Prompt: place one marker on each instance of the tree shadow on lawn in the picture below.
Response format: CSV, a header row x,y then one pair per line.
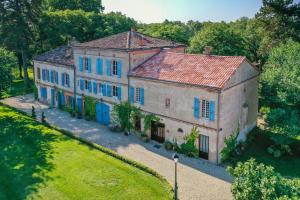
x,y
25,156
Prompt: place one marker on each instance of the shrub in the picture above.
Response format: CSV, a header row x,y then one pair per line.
x,y
254,181
279,150
188,147
89,108
168,145
230,144
33,114
43,118
35,92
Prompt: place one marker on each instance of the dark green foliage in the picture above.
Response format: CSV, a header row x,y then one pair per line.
x,y
220,37
258,149
168,145
90,108
230,144
147,121
85,5
18,19
189,147
43,118
121,115
8,61
57,27
33,114
254,181
280,80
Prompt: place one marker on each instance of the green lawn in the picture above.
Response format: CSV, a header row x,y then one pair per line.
x,y
287,166
40,163
18,87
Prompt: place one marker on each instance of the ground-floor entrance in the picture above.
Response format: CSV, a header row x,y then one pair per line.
x,y
158,131
203,146
102,113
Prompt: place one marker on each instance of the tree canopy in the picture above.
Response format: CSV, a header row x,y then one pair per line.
x,y
8,61
254,181
85,5
220,37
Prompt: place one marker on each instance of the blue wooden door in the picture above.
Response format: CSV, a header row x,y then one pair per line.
x,y
44,93
59,99
106,115
102,113
79,104
52,98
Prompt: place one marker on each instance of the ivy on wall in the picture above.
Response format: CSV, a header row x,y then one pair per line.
x,y
147,121
189,146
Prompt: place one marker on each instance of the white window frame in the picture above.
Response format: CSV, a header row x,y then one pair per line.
x,y
114,91
114,67
205,109
137,96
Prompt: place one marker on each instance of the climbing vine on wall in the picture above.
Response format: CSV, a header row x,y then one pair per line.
x,y
147,121
90,107
189,146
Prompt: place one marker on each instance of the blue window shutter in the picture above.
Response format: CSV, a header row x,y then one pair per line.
x,y
119,93
62,79
51,76
48,75
196,107
81,85
62,99
68,79
80,63
142,96
43,74
56,80
89,64
119,69
104,89
108,73
211,111
99,66
108,90
95,87
90,86
131,92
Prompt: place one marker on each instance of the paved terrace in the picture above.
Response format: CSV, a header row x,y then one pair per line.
x,y
197,179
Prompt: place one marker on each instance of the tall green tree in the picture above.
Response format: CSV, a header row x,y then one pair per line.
x,y
280,20
85,5
18,20
254,181
220,37
8,61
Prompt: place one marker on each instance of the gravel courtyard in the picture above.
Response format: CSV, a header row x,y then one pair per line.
x,y
197,179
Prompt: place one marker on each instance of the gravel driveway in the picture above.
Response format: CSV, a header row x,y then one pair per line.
x,y
197,179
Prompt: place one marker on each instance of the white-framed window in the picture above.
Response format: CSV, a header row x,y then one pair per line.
x,y
137,94
38,73
114,91
85,63
99,86
86,85
114,67
205,109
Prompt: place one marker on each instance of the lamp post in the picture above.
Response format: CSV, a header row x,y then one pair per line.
x,y
175,158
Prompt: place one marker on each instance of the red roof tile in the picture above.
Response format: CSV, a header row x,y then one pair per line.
x,y
204,70
128,41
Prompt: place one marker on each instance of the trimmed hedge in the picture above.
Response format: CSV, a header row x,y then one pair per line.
x,y
98,147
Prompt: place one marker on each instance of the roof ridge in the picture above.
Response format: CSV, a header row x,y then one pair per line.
x,y
195,54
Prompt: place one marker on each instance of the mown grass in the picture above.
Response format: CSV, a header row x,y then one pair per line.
x,y
18,86
287,165
37,162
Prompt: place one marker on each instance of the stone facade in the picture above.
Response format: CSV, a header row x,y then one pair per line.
x,y
234,105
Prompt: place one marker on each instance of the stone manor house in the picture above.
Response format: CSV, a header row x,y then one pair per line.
x,y
217,94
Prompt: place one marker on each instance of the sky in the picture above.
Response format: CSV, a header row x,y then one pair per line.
x,y
150,11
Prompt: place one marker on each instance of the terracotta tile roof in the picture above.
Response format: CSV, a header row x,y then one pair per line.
x,y
58,56
204,70
128,41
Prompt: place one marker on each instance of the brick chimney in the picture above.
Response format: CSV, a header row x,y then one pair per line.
x,y
141,40
207,50
133,29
